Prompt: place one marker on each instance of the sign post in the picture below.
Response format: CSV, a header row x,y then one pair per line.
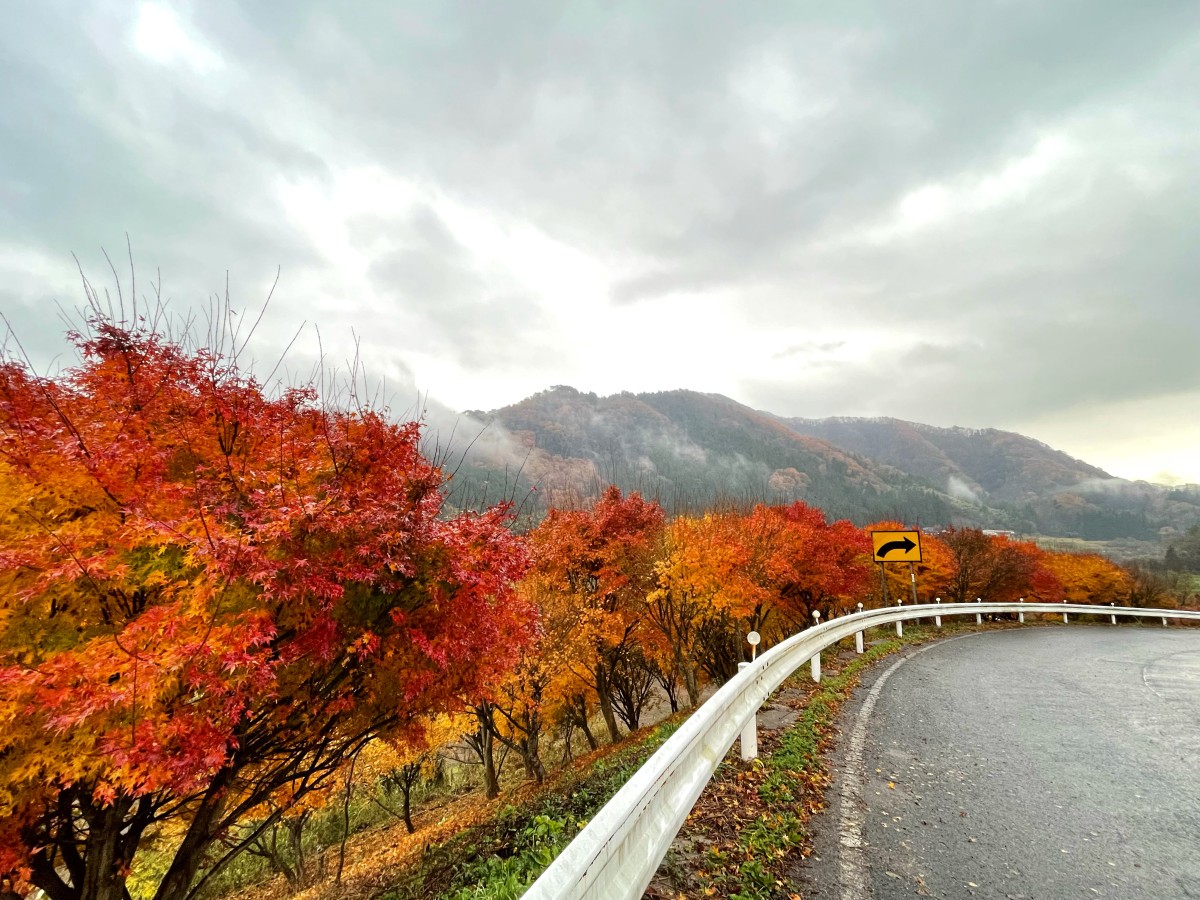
x,y
896,546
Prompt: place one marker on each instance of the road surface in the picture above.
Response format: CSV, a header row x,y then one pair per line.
x,y
1035,763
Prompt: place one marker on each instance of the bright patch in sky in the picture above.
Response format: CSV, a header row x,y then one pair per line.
x,y
1019,176
924,206
1161,447
159,35
1017,180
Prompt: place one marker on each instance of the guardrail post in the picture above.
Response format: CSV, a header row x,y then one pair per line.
x,y
937,620
1164,618
749,738
899,624
978,617
816,660
1065,622
1021,615
858,635
1113,616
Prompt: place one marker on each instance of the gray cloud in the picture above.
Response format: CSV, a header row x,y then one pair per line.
x,y
807,348
422,267
763,155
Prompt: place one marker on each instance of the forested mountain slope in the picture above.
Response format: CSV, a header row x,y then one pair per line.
x,y
693,450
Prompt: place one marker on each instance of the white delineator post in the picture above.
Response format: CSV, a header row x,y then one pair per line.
x,y
1113,616
1065,622
816,660
978,617
899,624
1164,621
858,635
749,737
937,620
1021,615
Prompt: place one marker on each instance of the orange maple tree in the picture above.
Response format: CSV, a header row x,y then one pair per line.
x,y
701,588
209,597
726,574
1089,578
814,564
600,561
540,688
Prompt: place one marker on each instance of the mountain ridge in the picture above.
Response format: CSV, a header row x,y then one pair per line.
x,y
693,450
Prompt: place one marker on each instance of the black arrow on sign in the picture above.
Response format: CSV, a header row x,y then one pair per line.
x,y
904,546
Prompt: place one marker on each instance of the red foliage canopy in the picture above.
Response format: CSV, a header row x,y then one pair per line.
x,y
210,595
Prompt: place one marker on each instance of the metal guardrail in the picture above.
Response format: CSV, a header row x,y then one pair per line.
x,y
617,853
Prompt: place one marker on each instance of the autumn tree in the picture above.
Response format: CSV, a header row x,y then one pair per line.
x,y
793,562
988,566
210,596
479,742
282,845
727,573
601,560
1090,578
1153,588
542,687
702,590
816,564
398,766
521,710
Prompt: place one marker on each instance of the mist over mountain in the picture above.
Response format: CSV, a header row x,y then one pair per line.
x,y
692,451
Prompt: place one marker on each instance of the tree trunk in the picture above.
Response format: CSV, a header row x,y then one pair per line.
x,y
190,852
295,833
406,807
579,710
491,784
104,877
568,735
604,693
487,750
346,819
691,684
530,753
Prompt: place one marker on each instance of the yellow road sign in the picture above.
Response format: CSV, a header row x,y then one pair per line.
x,y
897,546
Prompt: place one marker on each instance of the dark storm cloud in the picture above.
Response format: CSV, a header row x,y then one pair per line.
x,y
999,377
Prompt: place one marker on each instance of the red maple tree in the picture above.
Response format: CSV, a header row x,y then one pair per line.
x,y
209,597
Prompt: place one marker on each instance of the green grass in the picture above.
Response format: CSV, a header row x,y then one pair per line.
x,y
751,873
1190,582
500,859
1118,549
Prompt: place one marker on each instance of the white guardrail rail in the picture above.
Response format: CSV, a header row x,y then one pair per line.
x,y
619,850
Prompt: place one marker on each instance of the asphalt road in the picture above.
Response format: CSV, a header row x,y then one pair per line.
x,y
1033,763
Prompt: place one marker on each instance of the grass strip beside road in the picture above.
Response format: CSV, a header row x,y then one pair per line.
x,y
500,859
749,827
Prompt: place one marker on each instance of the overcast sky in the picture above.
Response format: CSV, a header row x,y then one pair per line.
x,y
979,214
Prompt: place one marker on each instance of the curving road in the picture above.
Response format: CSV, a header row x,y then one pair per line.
x,y
1034,763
